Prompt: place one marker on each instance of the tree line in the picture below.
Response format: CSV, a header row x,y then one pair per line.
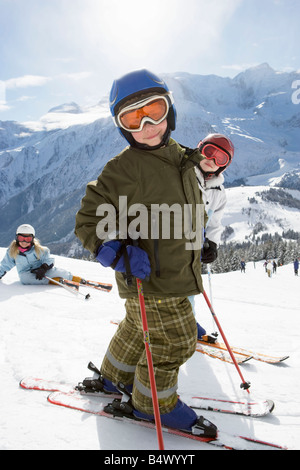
x,y
266,247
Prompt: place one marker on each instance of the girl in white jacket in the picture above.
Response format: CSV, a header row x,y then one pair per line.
x,y
218,151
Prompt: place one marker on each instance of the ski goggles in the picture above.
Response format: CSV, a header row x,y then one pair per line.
x,y
25,238
213,152
154,110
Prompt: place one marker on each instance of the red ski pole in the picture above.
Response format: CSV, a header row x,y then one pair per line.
x,y
245,385
150,366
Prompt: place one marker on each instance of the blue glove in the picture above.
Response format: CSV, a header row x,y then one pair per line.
x,y
138,259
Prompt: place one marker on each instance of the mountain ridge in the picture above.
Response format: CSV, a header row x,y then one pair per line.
x,y
46,165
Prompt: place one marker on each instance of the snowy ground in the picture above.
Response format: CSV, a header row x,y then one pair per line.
x,y
242,214
48,332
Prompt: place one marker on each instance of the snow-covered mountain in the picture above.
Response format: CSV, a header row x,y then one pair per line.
x,y
46,165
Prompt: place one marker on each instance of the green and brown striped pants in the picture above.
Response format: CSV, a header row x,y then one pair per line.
x,y
173,337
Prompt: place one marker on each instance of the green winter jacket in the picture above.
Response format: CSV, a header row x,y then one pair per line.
x,y
155,190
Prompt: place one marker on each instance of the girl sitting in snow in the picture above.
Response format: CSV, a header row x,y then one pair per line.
x,y
33,261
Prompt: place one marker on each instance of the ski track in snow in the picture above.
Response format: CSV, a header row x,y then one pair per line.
x,y
48,332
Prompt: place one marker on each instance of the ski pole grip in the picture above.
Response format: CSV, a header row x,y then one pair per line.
x,y
245,385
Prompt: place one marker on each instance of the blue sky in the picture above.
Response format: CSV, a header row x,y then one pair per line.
x,y
57,51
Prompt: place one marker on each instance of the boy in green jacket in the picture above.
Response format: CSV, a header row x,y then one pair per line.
x,y
144,218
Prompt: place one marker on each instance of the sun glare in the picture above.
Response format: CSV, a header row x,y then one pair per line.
x,y
160,35
131,28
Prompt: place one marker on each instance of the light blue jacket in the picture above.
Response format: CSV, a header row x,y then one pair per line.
x,y
24,262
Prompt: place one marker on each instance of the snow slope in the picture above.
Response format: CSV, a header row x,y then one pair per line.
x,y
48,332
246,208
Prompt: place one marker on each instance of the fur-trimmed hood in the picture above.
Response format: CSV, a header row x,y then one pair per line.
x,y
211,183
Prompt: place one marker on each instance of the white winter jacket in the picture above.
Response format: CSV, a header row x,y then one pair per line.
x,y
214,198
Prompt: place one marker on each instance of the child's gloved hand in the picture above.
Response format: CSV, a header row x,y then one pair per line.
x,y
41,271
109,255
209,252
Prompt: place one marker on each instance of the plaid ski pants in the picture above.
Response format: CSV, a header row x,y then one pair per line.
x,y
173,337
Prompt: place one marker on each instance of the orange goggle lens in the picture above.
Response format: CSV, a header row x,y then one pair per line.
x,y
154,111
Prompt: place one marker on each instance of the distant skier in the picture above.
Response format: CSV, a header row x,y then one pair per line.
x,y
32,260
274,266
269,268
243,266
296,267
218,151
265,265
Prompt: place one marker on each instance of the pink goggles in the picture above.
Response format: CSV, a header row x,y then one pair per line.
x,y
213,152
25,238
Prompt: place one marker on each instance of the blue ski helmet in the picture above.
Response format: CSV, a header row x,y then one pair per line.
x,y
133,85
